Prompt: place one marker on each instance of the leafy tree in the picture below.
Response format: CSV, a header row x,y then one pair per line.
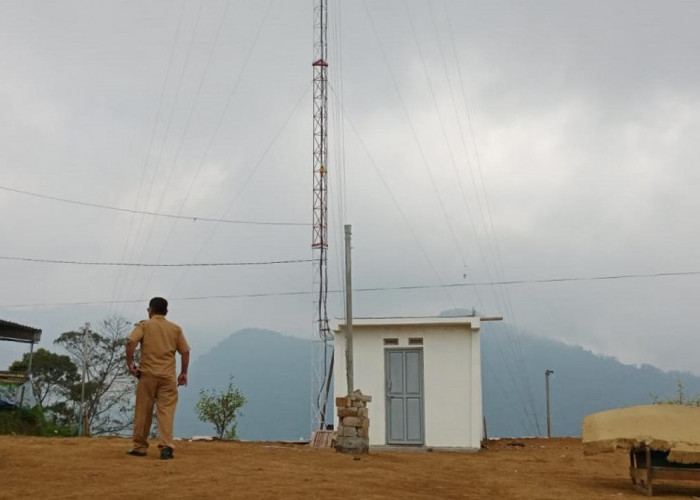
x,y
220,409
52,375
108,386
679,399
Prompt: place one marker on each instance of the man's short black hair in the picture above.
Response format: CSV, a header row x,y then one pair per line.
x,y
158,305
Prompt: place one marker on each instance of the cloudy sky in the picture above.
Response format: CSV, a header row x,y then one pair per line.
x,y
471,143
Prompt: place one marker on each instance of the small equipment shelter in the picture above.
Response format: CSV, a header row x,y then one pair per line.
x,y
424,375
16,388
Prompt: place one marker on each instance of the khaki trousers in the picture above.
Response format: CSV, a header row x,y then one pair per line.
x,y
163,392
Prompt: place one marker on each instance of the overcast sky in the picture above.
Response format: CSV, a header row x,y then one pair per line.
x,y
470,142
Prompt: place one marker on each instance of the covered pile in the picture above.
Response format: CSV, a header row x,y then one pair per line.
x,y
668,428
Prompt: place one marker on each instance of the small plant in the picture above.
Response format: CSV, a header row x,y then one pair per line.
x,y
679,399
220,409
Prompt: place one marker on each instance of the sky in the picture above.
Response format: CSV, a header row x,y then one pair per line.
x,y
490,155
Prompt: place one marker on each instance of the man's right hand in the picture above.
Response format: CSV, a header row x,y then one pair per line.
x,y
134,370
182,379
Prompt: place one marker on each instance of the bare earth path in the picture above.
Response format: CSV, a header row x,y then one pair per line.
x,y
99,468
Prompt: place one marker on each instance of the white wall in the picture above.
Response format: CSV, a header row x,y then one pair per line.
x,y
451,375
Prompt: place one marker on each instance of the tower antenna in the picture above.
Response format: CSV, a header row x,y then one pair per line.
x,y
319,244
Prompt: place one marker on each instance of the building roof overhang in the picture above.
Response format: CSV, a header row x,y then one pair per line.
x,y
14,332
471,322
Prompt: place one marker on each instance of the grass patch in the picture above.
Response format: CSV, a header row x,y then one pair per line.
x,y
31,422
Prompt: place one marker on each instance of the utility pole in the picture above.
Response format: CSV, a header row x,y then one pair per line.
x,y
348,308
546,383
81,423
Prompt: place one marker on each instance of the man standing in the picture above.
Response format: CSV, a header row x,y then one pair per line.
x,y
159,339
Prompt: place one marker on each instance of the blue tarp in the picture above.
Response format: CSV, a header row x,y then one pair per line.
x,y
12,395
7,397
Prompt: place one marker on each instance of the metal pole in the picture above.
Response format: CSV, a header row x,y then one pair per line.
x,y
31,356
546,382
81,424
348,309
28,374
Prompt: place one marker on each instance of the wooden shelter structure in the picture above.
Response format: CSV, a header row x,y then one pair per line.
x,y
663,441
15,332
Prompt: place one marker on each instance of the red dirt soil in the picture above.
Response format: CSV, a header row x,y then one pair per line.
x,y
32,467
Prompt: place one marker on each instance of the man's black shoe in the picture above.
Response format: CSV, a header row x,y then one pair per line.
x,y
136,453
166,452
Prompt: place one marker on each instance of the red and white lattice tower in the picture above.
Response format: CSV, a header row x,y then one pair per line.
x,y
322,335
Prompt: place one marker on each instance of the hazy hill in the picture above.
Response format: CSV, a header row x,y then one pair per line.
x,y
582,383
274,372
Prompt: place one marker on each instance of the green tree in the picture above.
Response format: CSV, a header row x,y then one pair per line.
x,y
108,386
52,375
220,409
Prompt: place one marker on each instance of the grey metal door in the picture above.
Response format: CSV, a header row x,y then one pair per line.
x,y
404,396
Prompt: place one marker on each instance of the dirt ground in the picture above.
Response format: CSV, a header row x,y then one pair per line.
x,y
32,467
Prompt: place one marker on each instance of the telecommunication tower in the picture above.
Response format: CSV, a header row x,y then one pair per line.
x,y
322,336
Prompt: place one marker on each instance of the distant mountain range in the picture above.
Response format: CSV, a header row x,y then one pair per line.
x,y
582,383
274,373
272,370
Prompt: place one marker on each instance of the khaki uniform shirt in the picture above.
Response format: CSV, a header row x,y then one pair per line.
x,y
159,339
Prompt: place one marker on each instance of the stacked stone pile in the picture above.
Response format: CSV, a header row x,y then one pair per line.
x,y
353,426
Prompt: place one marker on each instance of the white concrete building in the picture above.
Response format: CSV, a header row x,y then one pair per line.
x,y
424,375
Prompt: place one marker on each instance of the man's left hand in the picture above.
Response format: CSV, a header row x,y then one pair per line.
x,y
182,379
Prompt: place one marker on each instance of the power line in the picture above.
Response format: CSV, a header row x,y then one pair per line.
x,y
212,136
121,276
176,99
372,289
192,218
414,133
393,198
130,264
534,281
480,194
245,182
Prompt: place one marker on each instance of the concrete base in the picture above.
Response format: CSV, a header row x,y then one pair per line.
x,y
356,445
423,449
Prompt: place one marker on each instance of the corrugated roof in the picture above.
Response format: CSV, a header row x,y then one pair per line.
x,y
14,332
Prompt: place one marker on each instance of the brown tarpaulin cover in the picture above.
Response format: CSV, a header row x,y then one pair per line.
x,y
672,428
